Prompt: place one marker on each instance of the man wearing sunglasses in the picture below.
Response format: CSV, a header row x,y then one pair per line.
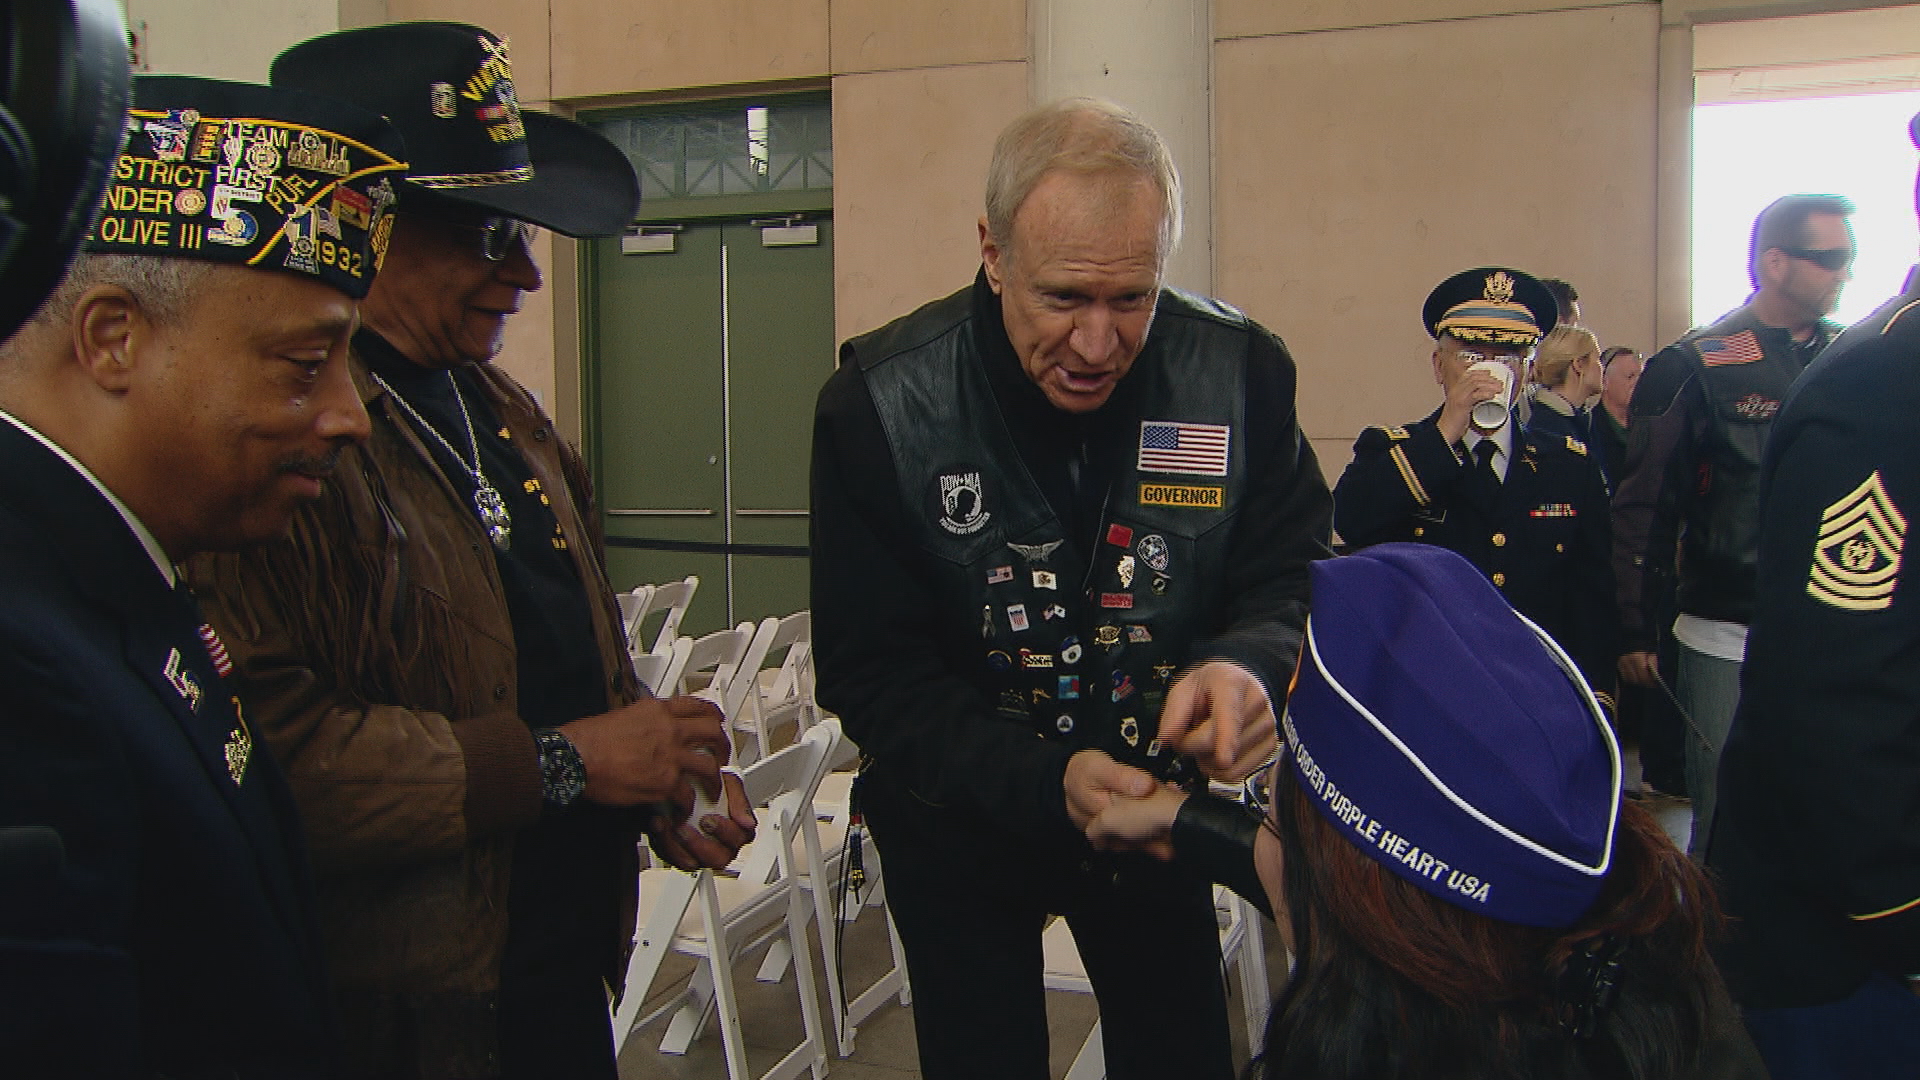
x,y
1686,502
1529,511
436,652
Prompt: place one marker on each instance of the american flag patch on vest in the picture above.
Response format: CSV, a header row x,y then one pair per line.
x,y
1195,449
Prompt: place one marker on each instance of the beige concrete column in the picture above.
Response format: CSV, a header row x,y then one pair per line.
x,y
1154,57
1673,182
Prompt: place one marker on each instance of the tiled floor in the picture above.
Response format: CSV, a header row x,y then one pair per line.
x,y
884,1049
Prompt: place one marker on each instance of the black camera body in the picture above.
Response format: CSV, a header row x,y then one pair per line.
x,y
64,85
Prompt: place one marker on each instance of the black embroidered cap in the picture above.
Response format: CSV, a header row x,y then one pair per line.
x,y
254,176
448,88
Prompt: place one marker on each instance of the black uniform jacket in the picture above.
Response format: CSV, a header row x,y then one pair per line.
x,y
1818,832
177,937
903,675
1543,538
1687,492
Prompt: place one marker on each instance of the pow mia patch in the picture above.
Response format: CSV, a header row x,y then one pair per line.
x,y
962,507
1856,559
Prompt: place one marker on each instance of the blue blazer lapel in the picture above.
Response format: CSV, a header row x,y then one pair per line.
x,y
112,572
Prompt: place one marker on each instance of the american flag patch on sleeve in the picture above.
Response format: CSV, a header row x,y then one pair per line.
x,y
1194,449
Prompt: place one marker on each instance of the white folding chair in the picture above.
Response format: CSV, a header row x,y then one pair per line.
x,y
670,601
850,1013
760,903
634,605
1242,950
779,695
706,663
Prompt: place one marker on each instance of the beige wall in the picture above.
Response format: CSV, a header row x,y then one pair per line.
x,y
1358,168
223,40
905,222
922,89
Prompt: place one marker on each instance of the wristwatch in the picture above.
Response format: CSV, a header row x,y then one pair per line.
x,y
563,776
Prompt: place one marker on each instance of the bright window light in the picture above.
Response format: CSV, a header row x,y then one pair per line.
x,y
1747,155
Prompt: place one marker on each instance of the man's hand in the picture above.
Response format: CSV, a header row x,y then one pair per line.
x,y
651,751
1468,390
1093,780
1219,713
717,839
1640,668
1139,824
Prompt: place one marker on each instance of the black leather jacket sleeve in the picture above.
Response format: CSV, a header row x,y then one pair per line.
x,y
1216,838
1652,492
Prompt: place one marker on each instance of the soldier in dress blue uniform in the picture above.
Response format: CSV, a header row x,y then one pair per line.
x,y
1817,839
1530,512
183,390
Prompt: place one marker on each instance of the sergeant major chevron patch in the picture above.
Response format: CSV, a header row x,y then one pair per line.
x,y
1856,558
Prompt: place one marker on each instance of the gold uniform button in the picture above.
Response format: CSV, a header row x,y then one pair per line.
x,y
1499,539
1560,549
1418,531
1500,580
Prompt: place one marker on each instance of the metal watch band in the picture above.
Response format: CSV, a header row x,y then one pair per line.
x,y
563,776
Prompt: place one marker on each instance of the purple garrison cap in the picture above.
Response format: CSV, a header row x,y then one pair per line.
x,y
1451,740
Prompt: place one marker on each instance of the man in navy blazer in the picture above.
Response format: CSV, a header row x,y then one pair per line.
x,y
183,390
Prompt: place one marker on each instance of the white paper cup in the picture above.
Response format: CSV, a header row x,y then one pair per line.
x,y
1490,414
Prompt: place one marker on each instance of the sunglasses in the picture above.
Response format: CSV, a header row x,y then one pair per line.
x,y
1832,260
500,235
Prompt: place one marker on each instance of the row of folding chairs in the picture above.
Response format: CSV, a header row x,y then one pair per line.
x,y
761,674
761,677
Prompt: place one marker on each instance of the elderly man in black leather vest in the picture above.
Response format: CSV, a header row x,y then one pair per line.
x,y
1062,522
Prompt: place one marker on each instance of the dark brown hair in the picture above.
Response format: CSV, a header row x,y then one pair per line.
x,y
1392,982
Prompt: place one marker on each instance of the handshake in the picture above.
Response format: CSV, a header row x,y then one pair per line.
x,y
666,754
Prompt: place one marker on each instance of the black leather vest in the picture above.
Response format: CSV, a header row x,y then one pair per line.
x,y
1721,546
1079,646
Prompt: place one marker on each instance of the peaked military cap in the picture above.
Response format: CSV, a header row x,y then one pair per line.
x,y
1492,305
254,176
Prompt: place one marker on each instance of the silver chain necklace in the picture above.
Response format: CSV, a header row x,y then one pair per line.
x,y
486,499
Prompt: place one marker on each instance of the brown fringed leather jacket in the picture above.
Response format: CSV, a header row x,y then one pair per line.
x,y
374,650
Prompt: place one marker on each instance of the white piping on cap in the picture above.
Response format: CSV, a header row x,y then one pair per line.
x,y
1593,706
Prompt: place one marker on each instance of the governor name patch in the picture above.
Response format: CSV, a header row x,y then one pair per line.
x,y
1198,496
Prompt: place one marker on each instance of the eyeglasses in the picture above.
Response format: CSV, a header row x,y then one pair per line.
x,y
1470,357
1832,260
499,235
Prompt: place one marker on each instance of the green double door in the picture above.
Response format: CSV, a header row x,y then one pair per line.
x,y
707,362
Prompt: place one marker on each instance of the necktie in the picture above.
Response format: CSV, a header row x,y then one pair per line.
x,y
1481,485
1484,452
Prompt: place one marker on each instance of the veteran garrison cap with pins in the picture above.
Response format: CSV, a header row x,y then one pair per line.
x,y
250,175
1452,741
1493,305
448,88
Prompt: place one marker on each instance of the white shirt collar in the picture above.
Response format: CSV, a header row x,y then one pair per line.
x,y
140,532
1503,446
